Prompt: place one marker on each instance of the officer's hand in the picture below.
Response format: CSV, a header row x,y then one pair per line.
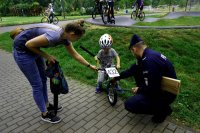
x,y
134,90
93,67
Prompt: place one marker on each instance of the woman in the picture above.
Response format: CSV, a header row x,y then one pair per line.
x,y
29,58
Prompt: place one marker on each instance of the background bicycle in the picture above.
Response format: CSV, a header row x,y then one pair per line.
x,y
46,19
106,14
138,14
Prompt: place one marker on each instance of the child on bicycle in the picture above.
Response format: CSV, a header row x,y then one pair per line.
x,y
105,58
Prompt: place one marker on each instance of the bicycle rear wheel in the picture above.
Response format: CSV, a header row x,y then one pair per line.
x,y
45,20
111,94
104,15
55,20
142,16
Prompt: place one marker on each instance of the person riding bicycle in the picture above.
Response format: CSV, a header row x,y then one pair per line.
x,y
50,12
99,4
111,8
105,59
139,5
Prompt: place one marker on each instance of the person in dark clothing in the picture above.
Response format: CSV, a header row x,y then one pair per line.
x,y
139,5
111,8
149,98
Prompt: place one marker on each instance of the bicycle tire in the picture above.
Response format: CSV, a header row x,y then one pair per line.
x,y
142,16
45,20
111,94
133,15
55,20
104,16
94,13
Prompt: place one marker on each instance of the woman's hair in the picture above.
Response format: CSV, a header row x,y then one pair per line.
x,y
76,27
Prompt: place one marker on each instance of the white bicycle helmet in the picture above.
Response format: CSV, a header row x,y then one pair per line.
x,y
105,41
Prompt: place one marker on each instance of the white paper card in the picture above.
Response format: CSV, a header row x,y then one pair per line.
x,y
112,72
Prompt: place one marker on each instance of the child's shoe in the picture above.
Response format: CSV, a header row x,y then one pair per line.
x,y
98,90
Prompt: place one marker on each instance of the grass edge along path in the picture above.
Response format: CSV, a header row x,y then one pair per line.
x,y
182,21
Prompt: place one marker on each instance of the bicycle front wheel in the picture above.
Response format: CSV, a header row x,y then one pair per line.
x,y
45,20
111,94
55,20
104,16
142,16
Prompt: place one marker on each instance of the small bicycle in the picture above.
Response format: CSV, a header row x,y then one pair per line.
x,y
111,87
137,14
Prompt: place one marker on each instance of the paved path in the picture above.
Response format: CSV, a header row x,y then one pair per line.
x,y
84,111
126,21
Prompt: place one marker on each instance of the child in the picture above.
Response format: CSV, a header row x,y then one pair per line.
x,y
105,59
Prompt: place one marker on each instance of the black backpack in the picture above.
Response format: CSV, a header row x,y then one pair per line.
x,y
58,83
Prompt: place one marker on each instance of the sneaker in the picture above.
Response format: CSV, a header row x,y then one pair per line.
x,y
51,108
51,118
98,90
118,88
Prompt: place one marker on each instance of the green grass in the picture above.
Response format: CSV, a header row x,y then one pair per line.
x,y
8,21
180,46
182,21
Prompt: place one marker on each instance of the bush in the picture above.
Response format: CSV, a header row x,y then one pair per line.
x,y
82,11
89,10
75,13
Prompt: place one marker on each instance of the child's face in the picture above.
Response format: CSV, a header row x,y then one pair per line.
x,y
106,50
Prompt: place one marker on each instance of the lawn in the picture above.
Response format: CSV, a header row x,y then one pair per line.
x,y
180,46
8,21
182,21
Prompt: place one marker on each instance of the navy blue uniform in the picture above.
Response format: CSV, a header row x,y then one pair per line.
x,y
148,72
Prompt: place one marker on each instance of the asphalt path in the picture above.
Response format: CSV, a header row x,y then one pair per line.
x,y
123,21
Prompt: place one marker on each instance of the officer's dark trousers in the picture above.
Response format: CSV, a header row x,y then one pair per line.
x,y
142,104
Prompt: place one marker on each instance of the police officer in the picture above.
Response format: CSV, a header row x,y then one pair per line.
x,y
148,72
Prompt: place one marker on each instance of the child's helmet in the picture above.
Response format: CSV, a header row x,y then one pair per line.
x,y
105,41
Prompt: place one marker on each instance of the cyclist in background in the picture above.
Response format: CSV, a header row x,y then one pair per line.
x,y
139,5
111,8
50,12
99,4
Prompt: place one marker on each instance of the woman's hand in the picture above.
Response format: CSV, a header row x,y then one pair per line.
x,y
51,59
